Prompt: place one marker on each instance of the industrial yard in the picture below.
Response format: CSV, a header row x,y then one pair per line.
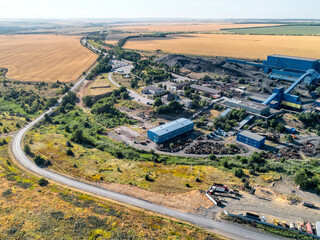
x,y
252,107
216,137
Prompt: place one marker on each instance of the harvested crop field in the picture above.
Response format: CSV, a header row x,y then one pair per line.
x,y
242,46
184,27
44,57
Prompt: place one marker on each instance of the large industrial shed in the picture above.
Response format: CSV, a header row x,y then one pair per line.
x,y
251,139
170,130
249,106
292,63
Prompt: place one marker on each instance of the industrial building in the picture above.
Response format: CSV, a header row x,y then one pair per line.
x,y
179,86
211,91
251,139
170,130
186,103
287,68
152,90
295,69
168,97
253,107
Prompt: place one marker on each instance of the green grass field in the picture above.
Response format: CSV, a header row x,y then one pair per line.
x,y
280,30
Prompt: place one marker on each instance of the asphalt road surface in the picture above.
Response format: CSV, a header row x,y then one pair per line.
x,y
134,95
226,229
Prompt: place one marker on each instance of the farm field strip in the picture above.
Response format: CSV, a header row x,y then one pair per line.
x,y
185,27
44,57
278,30
242,46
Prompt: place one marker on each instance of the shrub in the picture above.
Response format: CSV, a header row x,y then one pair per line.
x,y
188,185
43,182
69,152
39,160
27,149
212,157
7,193
238,172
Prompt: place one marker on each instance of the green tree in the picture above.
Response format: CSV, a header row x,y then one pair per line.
x,y
77,136
305,179
88,101
157,102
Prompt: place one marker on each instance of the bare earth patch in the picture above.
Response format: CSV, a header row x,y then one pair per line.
x,y
186,202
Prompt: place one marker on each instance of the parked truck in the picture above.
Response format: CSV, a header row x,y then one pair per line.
x,y
217,187
309,228
253,216
308,204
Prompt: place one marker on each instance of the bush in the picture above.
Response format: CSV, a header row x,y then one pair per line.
x,y
39,160
306,179
147,178
238,172
43,182
188,185
212,157
27,149
7,193
88,101
246,185
69,152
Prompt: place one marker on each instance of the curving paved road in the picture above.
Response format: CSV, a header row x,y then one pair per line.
x,y
226,229
134,95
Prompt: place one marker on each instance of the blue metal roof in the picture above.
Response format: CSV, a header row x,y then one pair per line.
x,y
171,126
225,113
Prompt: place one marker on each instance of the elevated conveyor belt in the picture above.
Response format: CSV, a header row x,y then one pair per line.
x,y
308,73
270,99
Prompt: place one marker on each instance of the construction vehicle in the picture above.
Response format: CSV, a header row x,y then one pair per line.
x,y
276,222
284,224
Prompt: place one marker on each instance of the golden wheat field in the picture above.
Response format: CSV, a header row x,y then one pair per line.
x,y
184,27
44,57
245,46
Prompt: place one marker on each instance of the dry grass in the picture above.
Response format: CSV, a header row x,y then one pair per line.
x,y
184,27
244,46
122,79
94,164
32,212
100,86
44,57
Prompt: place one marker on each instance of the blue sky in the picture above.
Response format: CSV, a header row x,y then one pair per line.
x,y
159,9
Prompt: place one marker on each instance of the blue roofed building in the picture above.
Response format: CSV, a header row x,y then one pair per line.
x,y
170,130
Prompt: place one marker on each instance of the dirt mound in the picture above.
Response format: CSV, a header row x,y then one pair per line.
x,y
217,65
186,202
193,64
